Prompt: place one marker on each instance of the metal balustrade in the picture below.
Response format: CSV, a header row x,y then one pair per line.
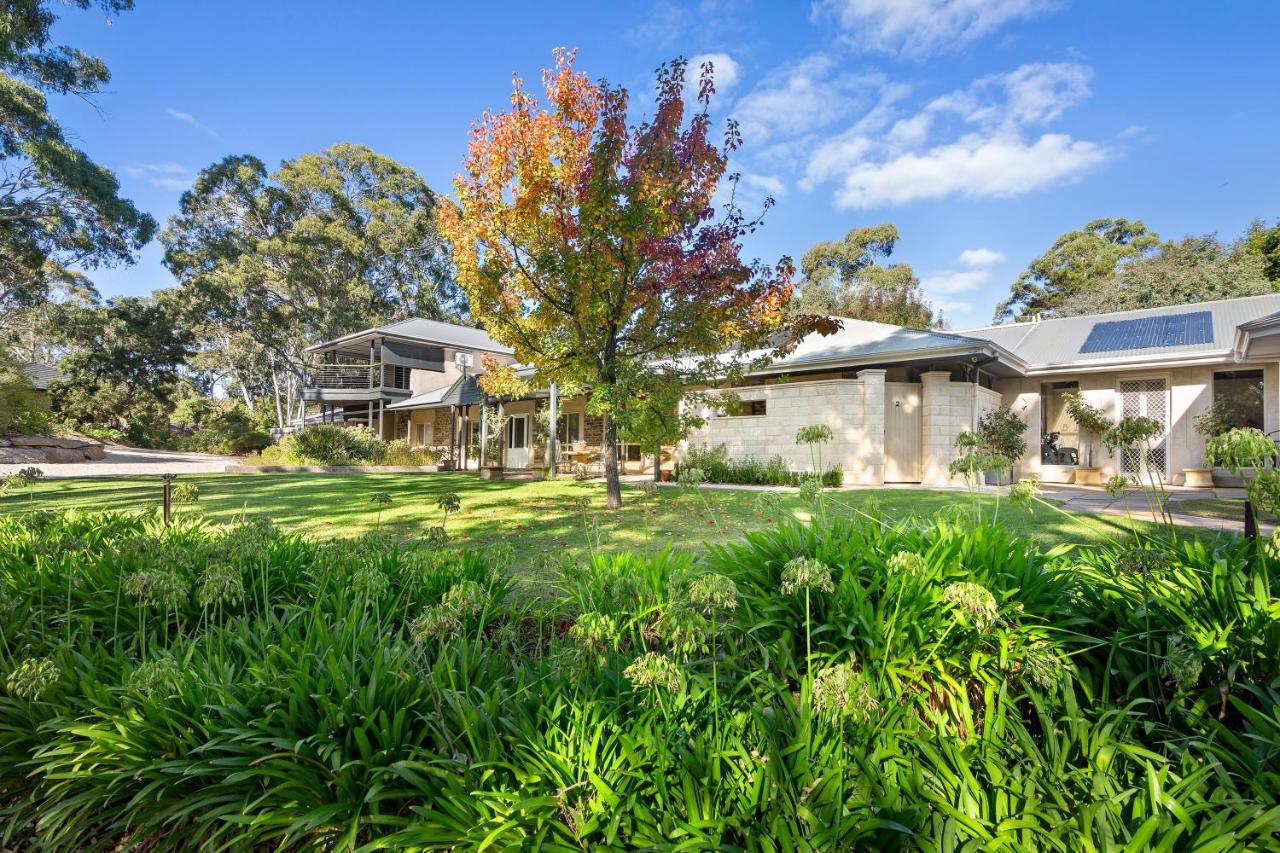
x,y
344,377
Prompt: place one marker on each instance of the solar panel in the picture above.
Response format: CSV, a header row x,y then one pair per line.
x,y
1171,330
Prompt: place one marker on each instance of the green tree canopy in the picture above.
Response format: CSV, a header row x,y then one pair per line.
x,y
123,369
57,207
1263,242
1075,262
268,264
843,278
1194,269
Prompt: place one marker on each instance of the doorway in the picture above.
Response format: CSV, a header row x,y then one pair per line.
x,y
902,418
518,441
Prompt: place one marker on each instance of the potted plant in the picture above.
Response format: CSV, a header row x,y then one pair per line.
x,y
1093,423
1246,451
1001,434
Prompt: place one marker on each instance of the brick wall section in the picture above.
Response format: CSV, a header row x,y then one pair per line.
x,y
853,409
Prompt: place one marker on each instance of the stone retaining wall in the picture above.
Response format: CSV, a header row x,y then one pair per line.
x,y
40,449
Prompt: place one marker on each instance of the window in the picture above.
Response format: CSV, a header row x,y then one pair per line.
x,y
1237,398
630,453
424,435
745,408
571,428
396,376
1059,434
516,432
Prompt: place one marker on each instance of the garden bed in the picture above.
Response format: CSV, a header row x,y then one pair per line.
x,y
852,685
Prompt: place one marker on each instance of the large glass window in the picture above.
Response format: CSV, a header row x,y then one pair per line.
x,y
1059,434
746,408
571,428
1237,398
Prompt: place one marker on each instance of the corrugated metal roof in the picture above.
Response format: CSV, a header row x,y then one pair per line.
x,y
40,374
463,392
1059,340
865,341
426,331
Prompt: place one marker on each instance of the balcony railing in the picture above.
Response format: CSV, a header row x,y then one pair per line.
x,y
342,377
356,377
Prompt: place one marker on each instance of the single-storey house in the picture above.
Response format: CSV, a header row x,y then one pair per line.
x,y
895,398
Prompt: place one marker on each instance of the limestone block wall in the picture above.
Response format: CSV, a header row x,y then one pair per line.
x,y
845,405
949,409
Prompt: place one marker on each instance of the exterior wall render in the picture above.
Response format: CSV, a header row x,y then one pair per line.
x,y
1190,394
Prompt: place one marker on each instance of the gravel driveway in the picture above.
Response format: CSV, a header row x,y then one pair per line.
x,y
123,461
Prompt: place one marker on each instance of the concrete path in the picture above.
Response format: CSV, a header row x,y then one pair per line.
x,y
126,461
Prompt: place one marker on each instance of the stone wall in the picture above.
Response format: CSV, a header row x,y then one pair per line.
x,y
39,449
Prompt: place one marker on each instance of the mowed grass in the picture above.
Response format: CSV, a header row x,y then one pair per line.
x,y
537,518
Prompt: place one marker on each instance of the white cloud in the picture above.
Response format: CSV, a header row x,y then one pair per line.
x,y
975,141
974,166
167,176
949,282
756,184
188,118
725,73
919,28
980,257
802,97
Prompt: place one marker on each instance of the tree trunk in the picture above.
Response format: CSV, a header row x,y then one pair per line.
x,y
657,464
612,485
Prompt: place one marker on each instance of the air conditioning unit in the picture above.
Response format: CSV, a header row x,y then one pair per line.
x,y
464,359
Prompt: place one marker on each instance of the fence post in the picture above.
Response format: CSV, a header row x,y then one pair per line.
x,y
168,496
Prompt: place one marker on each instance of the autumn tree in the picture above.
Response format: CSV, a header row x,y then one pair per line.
x,y
593,247
846,278
57,207
1075,262
269,263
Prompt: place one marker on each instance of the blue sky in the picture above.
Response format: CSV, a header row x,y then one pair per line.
x,y
982,128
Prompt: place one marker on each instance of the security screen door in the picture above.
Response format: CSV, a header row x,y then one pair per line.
x,y
1147,398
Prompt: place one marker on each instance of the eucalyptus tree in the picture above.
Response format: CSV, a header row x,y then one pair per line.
x,y
58,208
268,264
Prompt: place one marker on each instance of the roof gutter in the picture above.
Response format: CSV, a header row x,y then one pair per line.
x,y
992,351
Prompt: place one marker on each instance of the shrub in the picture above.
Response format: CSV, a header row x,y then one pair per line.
x,y
718,467
200,687
230,432
326,444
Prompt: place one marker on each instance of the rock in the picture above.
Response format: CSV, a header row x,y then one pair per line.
x,y
63,454
21,455
95,452
4,442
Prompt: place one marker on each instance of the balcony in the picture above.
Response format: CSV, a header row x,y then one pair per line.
x,y
352,383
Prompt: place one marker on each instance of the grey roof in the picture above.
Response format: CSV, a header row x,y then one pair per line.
x,y
463,392
866,342
40,374
425,331
1057,341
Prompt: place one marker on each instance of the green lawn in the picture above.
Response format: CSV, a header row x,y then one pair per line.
x,y
538,518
